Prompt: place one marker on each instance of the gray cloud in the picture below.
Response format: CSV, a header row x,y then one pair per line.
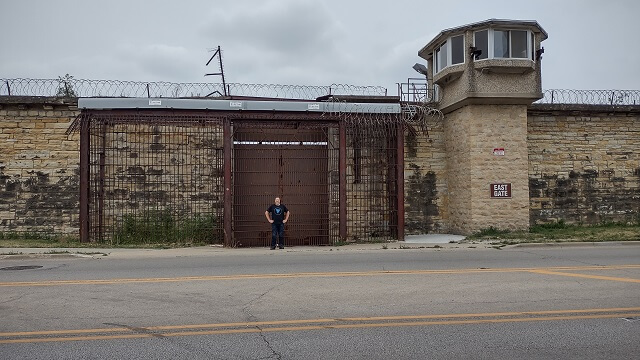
x,y
591,43
280,41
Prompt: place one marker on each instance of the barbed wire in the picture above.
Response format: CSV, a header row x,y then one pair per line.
x,y
355,115
117,88
590,97
418,117
414,116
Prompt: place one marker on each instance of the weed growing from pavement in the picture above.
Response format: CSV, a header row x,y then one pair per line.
x,y
489,233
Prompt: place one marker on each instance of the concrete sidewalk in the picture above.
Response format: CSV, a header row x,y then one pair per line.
x,y
14,253
433,239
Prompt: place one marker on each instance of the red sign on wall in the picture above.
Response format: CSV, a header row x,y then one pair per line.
x,y
500,191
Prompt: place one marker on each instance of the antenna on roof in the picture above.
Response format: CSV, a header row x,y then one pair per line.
x,y
221,73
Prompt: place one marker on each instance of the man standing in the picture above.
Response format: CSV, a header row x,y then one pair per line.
x,y
278,215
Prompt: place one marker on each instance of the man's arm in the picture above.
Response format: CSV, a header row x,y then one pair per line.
x,y
266,214
286,217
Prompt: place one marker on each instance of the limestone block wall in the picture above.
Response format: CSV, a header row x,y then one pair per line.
x,y
576,163
458,169
471,134
39,165
584,164
426,195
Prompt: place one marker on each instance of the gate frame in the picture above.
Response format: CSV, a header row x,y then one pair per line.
x,y
287,110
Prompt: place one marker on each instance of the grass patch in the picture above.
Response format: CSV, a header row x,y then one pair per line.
x,y
489,233
562,232
550,227
39,240
156,230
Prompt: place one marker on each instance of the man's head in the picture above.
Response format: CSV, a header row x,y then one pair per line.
x,y
277,201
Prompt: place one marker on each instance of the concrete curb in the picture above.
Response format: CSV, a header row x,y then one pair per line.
x,y
24,256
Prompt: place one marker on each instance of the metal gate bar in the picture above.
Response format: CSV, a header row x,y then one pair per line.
x,y
372,182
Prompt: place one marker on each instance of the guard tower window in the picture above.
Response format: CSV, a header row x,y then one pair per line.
x,y
457,50
500,44
441,57
451,52
533,45
482,43
504,44
519,44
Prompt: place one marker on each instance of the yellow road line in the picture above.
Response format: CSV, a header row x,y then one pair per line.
x,y
610,278
303,275
317,327
170,327
401,324
327,320
516,313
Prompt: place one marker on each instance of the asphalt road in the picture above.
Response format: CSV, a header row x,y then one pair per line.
x,y
325,303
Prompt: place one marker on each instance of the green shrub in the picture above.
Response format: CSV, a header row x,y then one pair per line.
x,y
162,227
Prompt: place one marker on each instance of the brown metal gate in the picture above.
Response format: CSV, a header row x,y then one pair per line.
x,y
288,161
208,176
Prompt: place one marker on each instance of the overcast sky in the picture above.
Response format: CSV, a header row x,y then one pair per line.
x,y
593,44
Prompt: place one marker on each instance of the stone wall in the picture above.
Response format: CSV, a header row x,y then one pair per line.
x,y
584,163
471,134
425,180
583,167
458,169
39,166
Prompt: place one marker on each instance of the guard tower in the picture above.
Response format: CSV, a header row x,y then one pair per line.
x,y
485,75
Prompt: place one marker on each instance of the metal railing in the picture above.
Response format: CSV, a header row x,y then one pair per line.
x,y
70,87
416,90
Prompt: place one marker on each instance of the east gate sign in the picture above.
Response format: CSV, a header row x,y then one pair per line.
x,y
500,191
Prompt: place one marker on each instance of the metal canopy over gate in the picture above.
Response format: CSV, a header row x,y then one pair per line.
x,y
207,173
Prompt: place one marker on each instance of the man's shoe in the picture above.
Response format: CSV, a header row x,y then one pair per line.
x,y
281,247
273,248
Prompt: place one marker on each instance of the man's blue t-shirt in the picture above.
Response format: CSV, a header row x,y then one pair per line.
x,y
277,213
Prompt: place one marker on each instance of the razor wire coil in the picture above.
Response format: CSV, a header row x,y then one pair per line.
x,y
117,88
